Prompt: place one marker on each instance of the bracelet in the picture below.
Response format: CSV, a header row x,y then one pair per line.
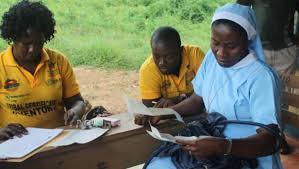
x,y
229,148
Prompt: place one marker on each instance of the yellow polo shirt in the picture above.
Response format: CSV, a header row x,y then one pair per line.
x,y
153,84
35,100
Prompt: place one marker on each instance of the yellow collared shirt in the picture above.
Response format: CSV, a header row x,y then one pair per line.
x,y
35,100
153,84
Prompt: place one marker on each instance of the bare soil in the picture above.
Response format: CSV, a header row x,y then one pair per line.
x,y
106,87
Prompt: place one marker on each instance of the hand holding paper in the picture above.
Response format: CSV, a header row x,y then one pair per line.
x,y
136,107
203,146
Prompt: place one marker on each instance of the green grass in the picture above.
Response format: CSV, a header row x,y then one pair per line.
x,y
115,33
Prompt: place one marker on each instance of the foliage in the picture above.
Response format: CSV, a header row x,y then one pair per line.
x,y
115,34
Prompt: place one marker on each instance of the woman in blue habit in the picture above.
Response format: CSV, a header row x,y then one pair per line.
x,y
234,81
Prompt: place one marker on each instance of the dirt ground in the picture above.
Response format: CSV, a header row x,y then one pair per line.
x,y
105,87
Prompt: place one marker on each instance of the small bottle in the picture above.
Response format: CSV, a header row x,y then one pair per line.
x,y
97,122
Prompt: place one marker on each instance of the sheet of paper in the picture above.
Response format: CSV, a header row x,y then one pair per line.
x,y
168,137
160,136
136,107
19,147
78,136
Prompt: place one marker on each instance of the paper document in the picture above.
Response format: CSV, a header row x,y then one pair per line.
x,y
167,137
19,147
78,136
136,107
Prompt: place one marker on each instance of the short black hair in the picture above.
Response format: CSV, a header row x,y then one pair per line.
x,y
234,26
24,15
167,35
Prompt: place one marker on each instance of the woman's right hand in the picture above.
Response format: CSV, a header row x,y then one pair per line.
x,y
12,130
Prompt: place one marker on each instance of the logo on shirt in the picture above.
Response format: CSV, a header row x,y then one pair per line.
x,y
11,84
52,71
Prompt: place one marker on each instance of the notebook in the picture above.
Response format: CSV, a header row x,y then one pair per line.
x,y
20,147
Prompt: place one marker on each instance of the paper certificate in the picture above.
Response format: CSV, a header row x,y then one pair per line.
x,y
136,107
167,137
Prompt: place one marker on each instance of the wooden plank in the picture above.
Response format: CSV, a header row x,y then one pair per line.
x,y
290,118
119,149
290,99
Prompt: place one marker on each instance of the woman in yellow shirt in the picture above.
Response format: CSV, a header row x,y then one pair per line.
x,y
36,83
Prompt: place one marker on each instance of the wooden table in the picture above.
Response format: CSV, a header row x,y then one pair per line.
x,y
122,147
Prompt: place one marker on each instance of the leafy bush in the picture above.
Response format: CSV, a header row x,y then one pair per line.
x,y
116,33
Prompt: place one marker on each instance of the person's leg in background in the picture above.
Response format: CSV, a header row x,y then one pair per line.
x,y
284,62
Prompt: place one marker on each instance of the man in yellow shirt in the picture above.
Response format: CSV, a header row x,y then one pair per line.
x,y
36,83
165,76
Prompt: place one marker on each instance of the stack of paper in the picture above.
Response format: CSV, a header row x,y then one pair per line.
x,y
20,147
78,136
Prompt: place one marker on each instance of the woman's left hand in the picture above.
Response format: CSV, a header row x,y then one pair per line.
x,y
204,146
163,103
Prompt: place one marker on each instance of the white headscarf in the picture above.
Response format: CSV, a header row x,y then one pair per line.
x,y
245,17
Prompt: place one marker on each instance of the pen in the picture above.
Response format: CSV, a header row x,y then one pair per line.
x,y
154,102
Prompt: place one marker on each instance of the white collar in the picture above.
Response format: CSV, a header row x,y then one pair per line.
x,y
251,57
